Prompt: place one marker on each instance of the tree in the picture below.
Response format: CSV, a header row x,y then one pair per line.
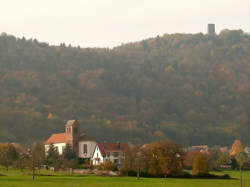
x,y
212,159
224,159
241,158
8,155
53,158
129,161
237,147
38,154
52,155
36,157
69,157
200,166
68,152
171,158
189,158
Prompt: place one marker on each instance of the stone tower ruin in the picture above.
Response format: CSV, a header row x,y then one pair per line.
x,y
211,29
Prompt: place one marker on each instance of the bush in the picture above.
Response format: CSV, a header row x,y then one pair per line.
x,y
108,166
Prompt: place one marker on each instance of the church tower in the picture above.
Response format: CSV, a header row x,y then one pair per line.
x,y
211,29
72,132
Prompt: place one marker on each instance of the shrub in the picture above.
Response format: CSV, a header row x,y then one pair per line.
x,y
108,166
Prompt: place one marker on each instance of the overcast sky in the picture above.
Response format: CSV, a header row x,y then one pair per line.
x,y
108,23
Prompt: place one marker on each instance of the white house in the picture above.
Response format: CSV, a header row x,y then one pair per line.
x,y
82,145
114,152
247,151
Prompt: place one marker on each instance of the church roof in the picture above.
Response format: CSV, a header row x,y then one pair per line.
x,y
71,122
56,138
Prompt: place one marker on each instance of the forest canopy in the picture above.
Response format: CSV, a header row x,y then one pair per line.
x,y
192,88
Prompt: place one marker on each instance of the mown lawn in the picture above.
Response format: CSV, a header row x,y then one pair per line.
x,y
15,178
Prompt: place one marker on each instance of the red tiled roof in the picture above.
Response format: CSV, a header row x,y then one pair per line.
x,y
4,144
56,138
112,147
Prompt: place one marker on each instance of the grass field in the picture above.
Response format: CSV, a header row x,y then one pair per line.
x,y
15,178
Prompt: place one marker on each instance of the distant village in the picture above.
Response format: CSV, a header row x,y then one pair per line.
x,y
100,152
85,147
82,154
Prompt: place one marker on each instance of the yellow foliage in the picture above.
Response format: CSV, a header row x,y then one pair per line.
x,y
50,116
92,116
159,133
108,122
169,69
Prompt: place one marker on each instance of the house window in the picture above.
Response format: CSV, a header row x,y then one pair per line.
x,y
116,161
108,154
115,154
85,151
56,148
97,155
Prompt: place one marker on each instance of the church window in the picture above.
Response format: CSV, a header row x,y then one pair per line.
x,y
85,151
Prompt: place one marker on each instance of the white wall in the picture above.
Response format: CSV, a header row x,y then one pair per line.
x,y
60,147
90,149
97,158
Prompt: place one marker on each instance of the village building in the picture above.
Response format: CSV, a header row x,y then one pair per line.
x,y
85,147
247,151
200,148
114,152
82,145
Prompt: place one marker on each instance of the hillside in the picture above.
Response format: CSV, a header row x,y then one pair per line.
x,y
192,88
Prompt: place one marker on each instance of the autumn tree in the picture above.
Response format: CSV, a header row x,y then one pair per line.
x,y
36,157
189,158
8,155
237,147
200,165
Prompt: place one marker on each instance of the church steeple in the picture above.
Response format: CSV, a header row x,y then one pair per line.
x,y
72,132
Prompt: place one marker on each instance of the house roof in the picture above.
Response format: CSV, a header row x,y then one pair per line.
x,y
85,137
4,144
105,147
56,138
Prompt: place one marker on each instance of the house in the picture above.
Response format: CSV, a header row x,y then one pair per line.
x,y
247,151
82,145
200,148
114,152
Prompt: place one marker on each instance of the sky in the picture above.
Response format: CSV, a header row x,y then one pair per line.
x,y
109,23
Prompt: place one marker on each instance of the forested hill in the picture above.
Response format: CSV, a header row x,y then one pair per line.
x,y
192,88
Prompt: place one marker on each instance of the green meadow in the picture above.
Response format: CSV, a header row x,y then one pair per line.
x,y
14,178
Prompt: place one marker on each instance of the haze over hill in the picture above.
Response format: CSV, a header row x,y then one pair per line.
x,y
192,88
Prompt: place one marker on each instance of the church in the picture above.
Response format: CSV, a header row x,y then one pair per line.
x,y
85,147
82,145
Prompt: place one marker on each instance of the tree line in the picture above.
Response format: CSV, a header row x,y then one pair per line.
x,y
165,158
192,88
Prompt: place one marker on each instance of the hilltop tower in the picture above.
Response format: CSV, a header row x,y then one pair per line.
x,y
72,132
211,29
